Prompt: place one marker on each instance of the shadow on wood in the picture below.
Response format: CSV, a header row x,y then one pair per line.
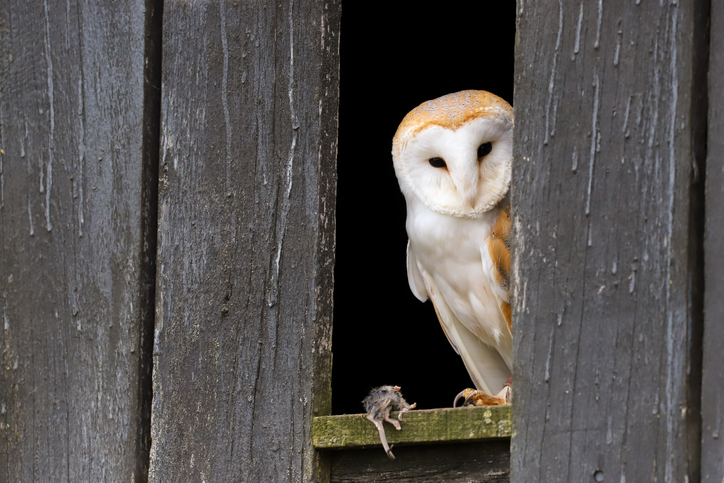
x,y
480,462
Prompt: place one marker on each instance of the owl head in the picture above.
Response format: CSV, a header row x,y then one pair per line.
x,y
454,153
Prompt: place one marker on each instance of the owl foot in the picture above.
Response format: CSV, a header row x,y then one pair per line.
x,y
380,402
474,397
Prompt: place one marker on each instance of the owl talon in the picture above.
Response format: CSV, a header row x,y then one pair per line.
x,y
467,394
470,398
479,398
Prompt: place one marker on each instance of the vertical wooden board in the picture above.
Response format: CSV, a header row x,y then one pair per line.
x,y
601,190
246,238
72,257
712,404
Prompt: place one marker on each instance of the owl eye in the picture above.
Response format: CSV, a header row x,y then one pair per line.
x,y
484,149
437,163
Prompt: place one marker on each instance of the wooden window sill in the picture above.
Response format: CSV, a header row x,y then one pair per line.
x,y
449,425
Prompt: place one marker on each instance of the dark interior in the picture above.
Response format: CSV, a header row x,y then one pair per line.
x,y
392,61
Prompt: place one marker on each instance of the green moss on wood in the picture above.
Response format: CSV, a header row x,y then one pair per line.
x,y
425,426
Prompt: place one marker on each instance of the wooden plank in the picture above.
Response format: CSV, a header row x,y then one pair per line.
x,y
712,404
605,330
432,425
481,462
77,232
242,352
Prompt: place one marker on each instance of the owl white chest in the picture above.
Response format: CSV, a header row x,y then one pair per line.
x,y
451,252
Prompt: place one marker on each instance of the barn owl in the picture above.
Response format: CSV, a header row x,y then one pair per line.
x,y
452,157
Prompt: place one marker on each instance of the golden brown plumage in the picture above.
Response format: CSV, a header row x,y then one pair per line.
x,y
499,248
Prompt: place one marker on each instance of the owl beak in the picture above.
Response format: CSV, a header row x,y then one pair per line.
x,y
467,185
471,199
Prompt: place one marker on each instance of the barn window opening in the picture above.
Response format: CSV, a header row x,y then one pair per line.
x,y
389,65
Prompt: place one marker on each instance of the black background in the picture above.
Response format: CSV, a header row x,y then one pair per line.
x,y
392,61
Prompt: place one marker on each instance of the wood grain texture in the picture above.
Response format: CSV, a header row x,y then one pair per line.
x,y
76,251
428,426
242,356
712,404
481,462
604,330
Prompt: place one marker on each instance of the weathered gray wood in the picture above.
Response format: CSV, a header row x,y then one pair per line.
x,y
604,325
77,236
712,403
246,239
482,462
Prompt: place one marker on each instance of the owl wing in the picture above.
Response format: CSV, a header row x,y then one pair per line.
x,y
414,276
496,262
486,367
